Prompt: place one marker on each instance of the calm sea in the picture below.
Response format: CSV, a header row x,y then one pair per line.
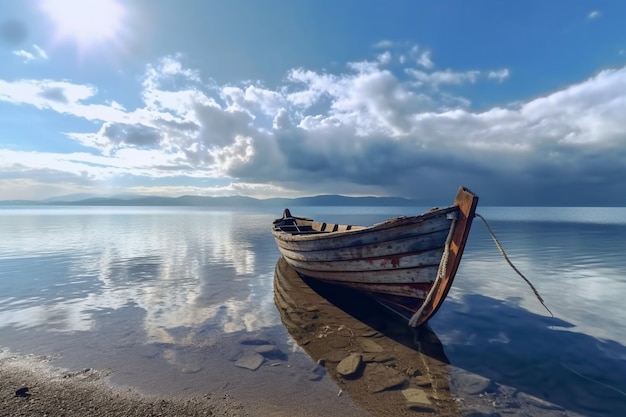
x,y
164,297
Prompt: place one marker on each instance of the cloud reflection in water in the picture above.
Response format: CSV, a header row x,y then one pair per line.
x,y
190,269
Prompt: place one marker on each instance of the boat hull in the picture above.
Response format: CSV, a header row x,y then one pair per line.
x,y
406,263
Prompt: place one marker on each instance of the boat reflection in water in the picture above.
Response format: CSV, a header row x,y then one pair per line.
x,y
390,368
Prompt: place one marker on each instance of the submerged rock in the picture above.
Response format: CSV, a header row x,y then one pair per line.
x,y
381,377
370,346
422,381
416,396
378,357
339,342
268,350
349,365
537,402
251,361
472,384
255,341
420,408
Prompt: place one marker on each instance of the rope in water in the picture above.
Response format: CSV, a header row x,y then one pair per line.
x,y
593,380
506,258
499,245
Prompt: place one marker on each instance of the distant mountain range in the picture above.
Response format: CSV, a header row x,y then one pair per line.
x,y
200,201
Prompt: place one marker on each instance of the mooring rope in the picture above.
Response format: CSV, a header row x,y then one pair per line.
x,y
506,258
499,245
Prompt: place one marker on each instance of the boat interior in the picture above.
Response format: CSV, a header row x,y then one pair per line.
x,y
301,225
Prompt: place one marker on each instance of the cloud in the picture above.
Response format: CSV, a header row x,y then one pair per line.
x,y
133,135
38,54
425,61
444,77
499,75
384,44
27,56
366,130
594,14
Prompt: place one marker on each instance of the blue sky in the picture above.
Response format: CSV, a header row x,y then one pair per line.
x,y
523,102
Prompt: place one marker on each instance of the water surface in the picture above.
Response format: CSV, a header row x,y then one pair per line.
x,y
165,297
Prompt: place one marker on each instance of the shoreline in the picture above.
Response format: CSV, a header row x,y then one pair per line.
x,y
30,385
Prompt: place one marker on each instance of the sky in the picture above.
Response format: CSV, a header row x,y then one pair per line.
x,y
522,102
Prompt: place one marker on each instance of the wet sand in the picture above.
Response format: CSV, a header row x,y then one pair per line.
x,y
30,386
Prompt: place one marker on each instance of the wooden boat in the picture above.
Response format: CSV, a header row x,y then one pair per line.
x,y
406,263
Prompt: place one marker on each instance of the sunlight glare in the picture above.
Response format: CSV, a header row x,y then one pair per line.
x,y
85,21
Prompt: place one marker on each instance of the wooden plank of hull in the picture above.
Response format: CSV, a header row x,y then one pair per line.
x,y
398,229
412,275
380,249
382,263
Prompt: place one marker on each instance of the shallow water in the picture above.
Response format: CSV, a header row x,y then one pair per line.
x,y
166,296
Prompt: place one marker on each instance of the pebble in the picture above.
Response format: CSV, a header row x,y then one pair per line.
x,y
416,396
191,369
349,365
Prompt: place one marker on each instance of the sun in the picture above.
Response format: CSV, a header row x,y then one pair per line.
x,y
85,22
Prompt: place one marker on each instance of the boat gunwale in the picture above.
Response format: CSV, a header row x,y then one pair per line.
x,y
387,224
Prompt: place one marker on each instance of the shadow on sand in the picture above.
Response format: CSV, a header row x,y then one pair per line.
x,y
497,358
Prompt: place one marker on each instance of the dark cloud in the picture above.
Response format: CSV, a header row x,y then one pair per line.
x,y
134,135
219,127
188,127
55,94
13,32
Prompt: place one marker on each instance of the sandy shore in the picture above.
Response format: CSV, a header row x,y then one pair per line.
x,y
29,386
